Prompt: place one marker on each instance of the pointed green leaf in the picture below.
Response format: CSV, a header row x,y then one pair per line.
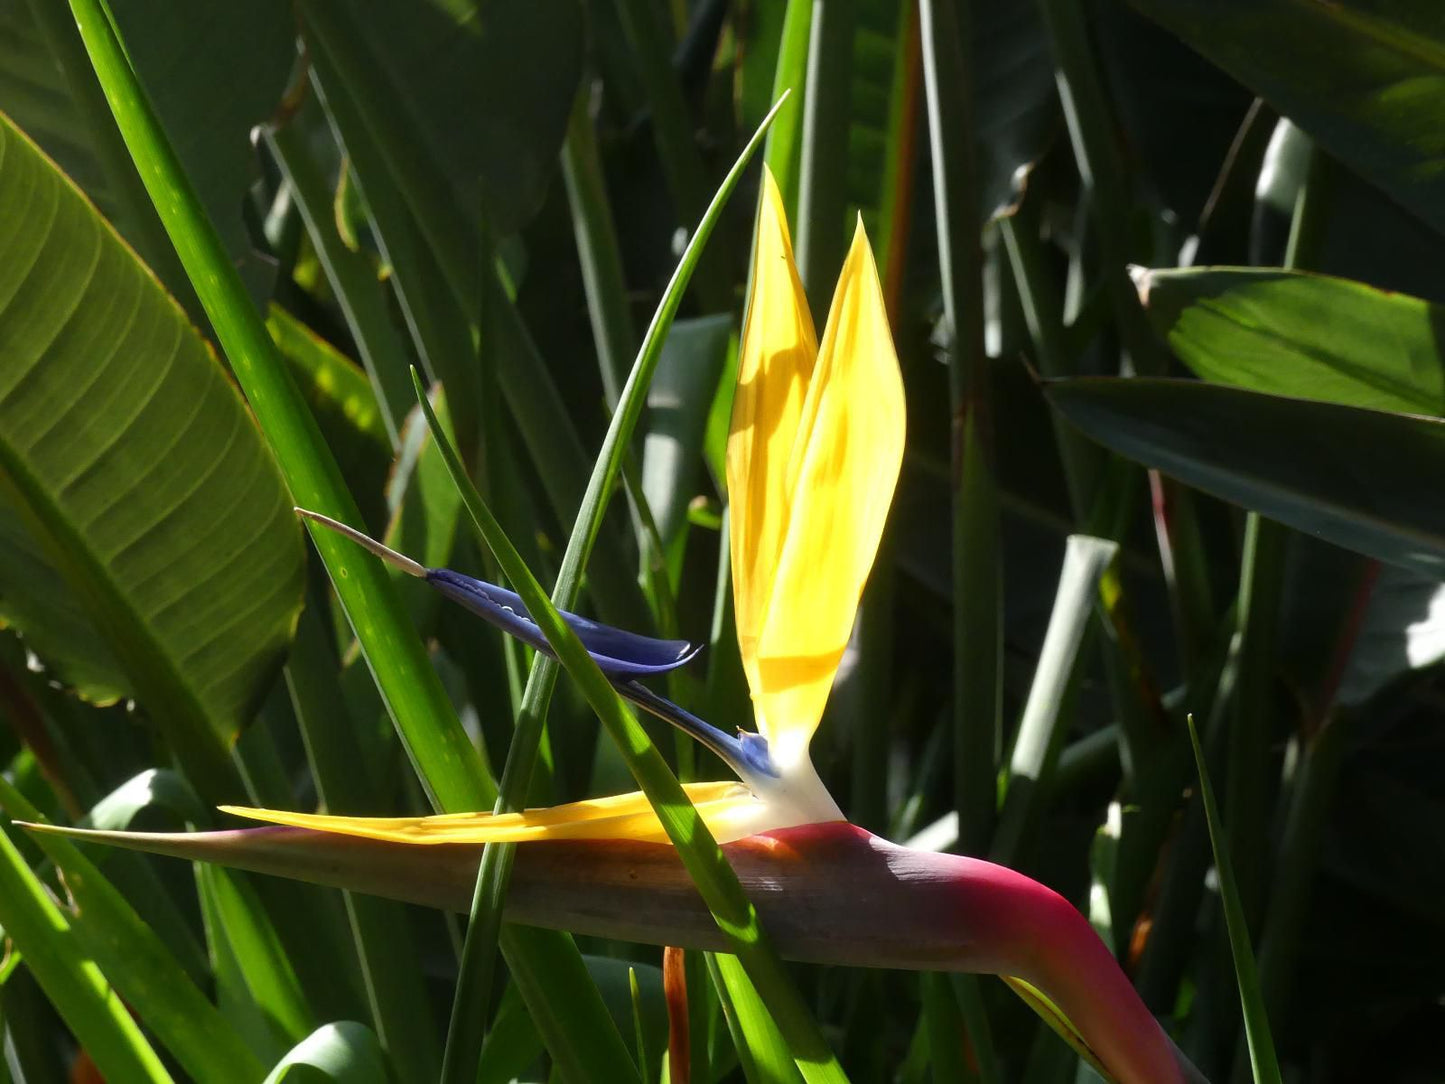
x,y
1311,336
340,1053
1256,1023
1354,477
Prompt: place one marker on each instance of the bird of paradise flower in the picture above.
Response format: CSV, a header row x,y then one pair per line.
x,y
813,456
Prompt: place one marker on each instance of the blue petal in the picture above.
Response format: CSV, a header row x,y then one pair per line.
x,y
618,653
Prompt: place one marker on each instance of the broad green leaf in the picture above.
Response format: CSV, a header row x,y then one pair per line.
x,y
1357,478
678,399
129,455
342,1053
522,60
1310,336
1363,78
1403,629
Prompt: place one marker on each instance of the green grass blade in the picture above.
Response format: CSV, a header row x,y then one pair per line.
x,y
977,628
351,277
145,972
1256,1022
762,1050
597,250
71,980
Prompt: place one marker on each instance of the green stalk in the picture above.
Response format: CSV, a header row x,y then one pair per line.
x,y
977,630
715,880
822,199
352,281
479,951
1256,1023
597,250
70,978
783,152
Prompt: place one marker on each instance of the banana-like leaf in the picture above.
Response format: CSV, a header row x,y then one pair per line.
x,y
441,55
1351,476
152,507
1311,336
827,893
1363,78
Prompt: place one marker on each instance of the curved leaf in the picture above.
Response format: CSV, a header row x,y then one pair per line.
x,y
345,1053
1363,78
1354,477
1311,336
129,456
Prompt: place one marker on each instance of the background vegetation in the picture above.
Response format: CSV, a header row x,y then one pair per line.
x,y
1104,231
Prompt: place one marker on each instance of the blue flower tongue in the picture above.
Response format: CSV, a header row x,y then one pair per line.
x,y
617,653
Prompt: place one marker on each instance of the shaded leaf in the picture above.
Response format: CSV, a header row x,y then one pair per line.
x,y
1362,78
135,465
1310,336
444,55
1349,475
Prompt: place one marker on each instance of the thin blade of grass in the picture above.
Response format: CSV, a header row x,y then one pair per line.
x,y
1263,1063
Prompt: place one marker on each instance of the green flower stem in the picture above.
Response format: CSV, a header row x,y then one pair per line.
x,y
597,250
784,150
352,280
715,880
977,628
822,197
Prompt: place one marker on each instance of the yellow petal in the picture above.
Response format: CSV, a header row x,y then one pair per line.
x,y
840,479
727,808
775,362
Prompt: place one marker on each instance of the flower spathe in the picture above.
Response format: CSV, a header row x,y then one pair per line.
x,y
813,455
